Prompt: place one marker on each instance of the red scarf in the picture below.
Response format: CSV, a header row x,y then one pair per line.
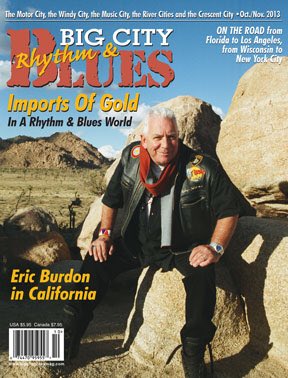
x,y
166,178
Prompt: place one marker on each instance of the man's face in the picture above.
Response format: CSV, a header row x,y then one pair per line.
x,y
161,140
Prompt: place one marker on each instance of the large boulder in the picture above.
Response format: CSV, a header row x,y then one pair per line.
x,y
30,219
40,248
198,125
90,227
153,329
31,237
255,258
251,304
253,139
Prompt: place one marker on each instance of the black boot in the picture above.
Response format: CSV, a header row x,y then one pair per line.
x,y
75,325
193,358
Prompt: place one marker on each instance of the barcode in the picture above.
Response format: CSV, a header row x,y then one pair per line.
x,y
34,344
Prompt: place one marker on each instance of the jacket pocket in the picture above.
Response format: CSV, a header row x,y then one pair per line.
x,y
194,202
195,217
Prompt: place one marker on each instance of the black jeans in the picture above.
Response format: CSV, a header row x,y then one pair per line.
x,y
199,285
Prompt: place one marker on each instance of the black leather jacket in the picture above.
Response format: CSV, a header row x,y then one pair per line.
x,y
203,194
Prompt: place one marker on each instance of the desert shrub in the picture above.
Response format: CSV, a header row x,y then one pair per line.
x,y
24,198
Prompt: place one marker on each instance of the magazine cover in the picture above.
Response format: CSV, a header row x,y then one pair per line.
x,y
175,113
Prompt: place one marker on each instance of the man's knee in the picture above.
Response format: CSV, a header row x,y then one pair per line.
x,y
95,268
200,276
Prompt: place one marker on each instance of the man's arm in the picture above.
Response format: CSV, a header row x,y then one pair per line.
x,y
103,245
203,255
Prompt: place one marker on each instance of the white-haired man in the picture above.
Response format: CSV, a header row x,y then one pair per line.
x,y
180,211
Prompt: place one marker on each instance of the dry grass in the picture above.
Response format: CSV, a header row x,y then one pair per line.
x,y
51,189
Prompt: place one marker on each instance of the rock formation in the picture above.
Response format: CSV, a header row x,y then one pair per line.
x,y
31,237
253,139
60,150
254,259
30,219
90,224
42,249
256,277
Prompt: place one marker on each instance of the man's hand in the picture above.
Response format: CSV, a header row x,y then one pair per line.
x,y
101,248
203,255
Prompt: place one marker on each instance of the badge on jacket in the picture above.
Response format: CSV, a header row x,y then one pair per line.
x,y
194,172
135,152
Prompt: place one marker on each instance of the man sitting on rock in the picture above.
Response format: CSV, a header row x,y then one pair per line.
x,y
180,211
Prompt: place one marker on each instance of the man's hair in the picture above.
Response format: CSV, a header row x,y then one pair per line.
x,y
159,112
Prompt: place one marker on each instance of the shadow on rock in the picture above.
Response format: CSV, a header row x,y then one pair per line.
x,y
248,264
137,317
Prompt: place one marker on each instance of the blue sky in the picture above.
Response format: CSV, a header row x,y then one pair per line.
x,y
201,70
